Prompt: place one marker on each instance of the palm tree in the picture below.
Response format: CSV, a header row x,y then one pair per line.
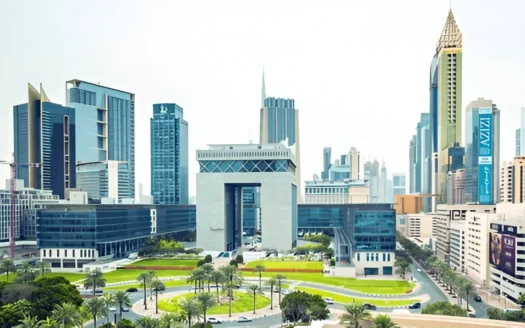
x,y
172,320
152,277
67,315
217,276
253,289
147,322
156,285
279,279
260,269
465,289
29,322
192,278
7,266
208,269
384,321
96,308
26,273
94,279
122,299
231,278
200,276
355,313
108,302
48,323
402,267
191,308
43,268
272,283
206,301
144,278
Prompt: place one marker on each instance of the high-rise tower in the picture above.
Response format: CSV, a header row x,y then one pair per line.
x,y
445,99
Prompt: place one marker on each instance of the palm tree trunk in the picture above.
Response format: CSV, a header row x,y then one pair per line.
x,y
204,316
208,286
145,296
271,296
189,320
280,294
95,320
156,300
195,287
107,318
260,277
253,302
120,307
217,285
467,300
231,294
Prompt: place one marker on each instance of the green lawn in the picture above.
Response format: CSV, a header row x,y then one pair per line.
x,y
273,264
72,277
365,286
346,299
132,274
165,262
243,302
171,283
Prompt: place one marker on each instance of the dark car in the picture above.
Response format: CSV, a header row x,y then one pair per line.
x,y
369,306
416,305
132,290
160,288
125,309
477,298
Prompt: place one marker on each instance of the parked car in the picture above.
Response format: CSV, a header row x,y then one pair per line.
x,y
132,290
125,309
160,288
418,270
369,306
213,320
244,319
113,308
416,305
329,300
477,298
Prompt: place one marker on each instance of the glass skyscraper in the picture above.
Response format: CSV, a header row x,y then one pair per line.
x,y
45,134
105,121
169,155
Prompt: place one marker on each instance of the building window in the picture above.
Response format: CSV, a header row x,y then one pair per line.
x,y
65,253
384,257
44,253
358,257
73,253
377,257
367,257
58,253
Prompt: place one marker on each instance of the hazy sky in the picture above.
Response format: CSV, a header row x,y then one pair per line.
x,y
358,70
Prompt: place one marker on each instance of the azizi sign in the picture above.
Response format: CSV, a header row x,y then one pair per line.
x,y
485,156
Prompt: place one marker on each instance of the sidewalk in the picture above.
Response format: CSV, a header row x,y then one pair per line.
x,y
452,300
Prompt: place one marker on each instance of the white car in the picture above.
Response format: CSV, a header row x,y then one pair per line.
x,y
113,308
285,292
244,319
329,300
214,320
418,270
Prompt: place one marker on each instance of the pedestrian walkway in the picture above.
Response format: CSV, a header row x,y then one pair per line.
x,y
451,299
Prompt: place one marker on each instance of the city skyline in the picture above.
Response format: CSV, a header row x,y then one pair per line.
x,y
321,99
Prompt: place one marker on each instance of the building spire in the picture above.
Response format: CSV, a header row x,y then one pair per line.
x,y
451,36
263,91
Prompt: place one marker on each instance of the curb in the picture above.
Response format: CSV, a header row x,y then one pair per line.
x,y
359,293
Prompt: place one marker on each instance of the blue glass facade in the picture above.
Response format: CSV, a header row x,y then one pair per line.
x,y
252,166
375,230
250,210
105,123
96,178
281,120
45,133
169,155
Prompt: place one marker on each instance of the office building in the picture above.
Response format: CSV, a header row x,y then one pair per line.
x,y
337,192
169,155
279,121
251,211
371,173
417,225
477,226
105,124
383,185
446,81
339,170
45,134
456,187
457,245
482,162
512,181
520,135
412,164
99,232
354,163
25,227
399,184
327,162
420,167
409,204
104,179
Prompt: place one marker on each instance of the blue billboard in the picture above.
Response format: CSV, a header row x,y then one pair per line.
x,y
485,170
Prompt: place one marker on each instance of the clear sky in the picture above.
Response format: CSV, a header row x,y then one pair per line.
x,y
358,70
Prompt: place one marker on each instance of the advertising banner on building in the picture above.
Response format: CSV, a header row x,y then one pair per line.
x,y
508,255
495,248
485,156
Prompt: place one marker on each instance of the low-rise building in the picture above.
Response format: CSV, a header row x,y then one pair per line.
x,y
476,254
418,226
337,192
457,245
409,204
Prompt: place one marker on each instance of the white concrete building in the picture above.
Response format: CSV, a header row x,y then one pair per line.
x,y
457,245
224,171
476,254
418,225
104,179
337,192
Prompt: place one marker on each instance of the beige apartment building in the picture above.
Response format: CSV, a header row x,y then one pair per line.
x,y
512,181
477,227
337,192
418,226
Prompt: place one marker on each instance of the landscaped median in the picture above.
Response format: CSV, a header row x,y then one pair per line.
x,y
164,264
347,299
285,266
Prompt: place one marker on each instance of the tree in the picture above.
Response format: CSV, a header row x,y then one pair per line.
x,y
147,322
144,278
122,299
207,268
94,279
208,258
29,322
354,314
271,282
206,301
239,259
279,279
252,289
10,316
259,269
96,308
200,263
521,300
234,263
108,302
7,266
25,273
217,276
50,292
303,307
465,289
384,321
49,323
171,320
126,323
156,285
43,268
444,308
402,267
231,277
191,308
495,313
67,315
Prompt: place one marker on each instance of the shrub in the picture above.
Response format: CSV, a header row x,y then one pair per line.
x,y
234,263
239,259
208,259
201,263
202,325
332,261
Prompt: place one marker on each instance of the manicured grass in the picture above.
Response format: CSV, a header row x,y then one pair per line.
x,y
165,262
132,274
167,284
365,286
274,264
346,299
243,302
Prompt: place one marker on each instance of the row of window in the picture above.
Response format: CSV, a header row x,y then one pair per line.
x,y
373,257
83,253
327,190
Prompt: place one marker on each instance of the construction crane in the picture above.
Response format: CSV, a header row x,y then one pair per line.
x,y
12,190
